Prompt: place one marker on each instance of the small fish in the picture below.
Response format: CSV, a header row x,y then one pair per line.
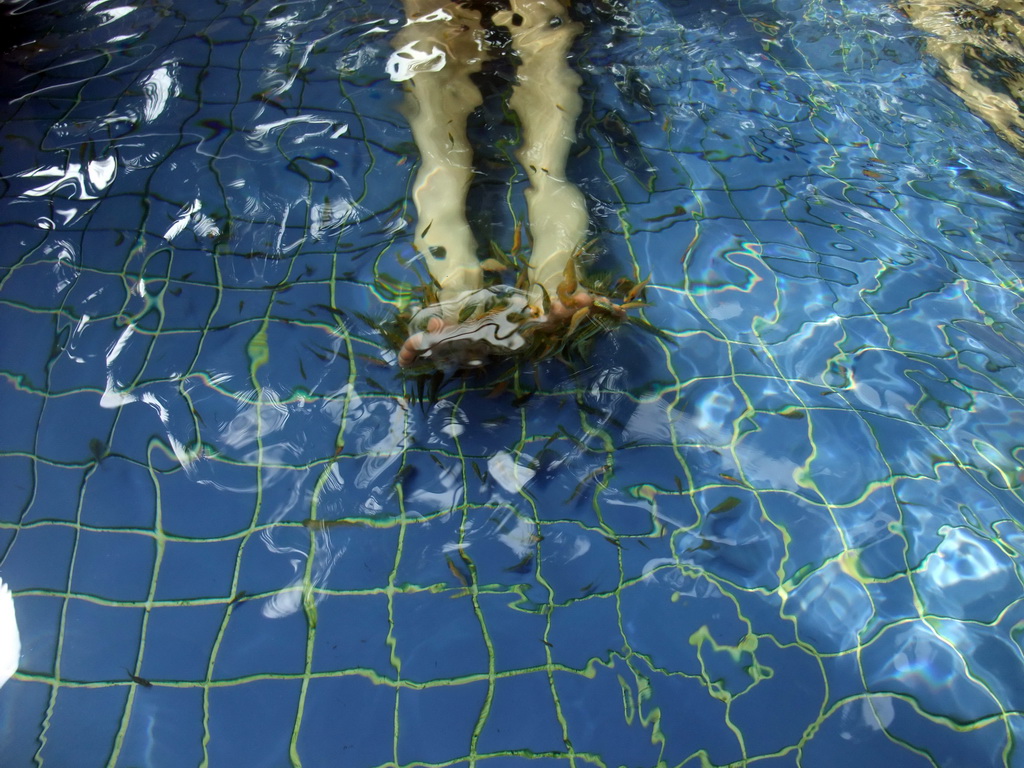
x,y
493,265
323,525
309,606
637,290
677,212
98,449
730,503
370,360
517,238
434,386
138,680
462,578
567,288
499,390
404,473
577,317
333,310
705,544
522,399
523,566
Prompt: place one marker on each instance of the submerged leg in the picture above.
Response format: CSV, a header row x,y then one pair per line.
x,y
956,31
437,50
548,104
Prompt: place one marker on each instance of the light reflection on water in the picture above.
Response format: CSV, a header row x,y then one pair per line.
x,y
793,530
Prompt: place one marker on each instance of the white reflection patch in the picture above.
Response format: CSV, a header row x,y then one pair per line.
x,y
522,536
509,475
388,449
960,557
407,62
101,172
262,418
10,639
181,220
113,14
86,182
158,89
66,268
311,126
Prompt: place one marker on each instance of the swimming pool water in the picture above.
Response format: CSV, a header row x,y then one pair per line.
x,y
789,534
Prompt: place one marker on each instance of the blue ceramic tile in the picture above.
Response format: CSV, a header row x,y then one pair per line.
x,y
99,642
349,634
340,715
246,725
196,569
436,724
785,529
179,640
264,636
114,566
163,716
88,720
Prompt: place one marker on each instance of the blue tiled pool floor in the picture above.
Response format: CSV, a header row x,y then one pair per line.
x,y
787,534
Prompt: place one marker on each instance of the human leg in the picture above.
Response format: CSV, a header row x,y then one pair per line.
x,y
436,52
470,323
438,49
546,99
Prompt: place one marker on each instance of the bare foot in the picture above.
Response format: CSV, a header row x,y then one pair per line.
x,y
466,333
502,322
561,312
572,309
